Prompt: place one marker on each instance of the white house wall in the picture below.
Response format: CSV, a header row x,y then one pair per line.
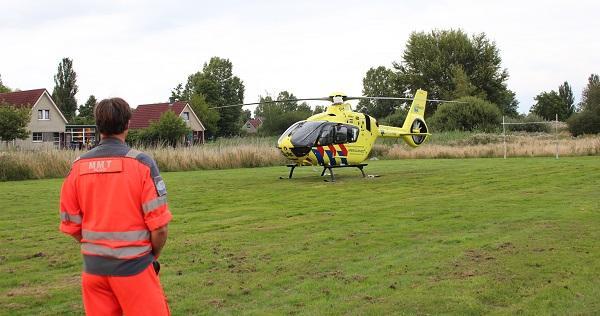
x,y
55,124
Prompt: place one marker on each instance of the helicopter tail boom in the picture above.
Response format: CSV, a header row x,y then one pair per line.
x,y
414,130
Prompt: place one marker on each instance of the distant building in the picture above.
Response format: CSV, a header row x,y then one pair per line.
x,y
47,124
145,114
251,126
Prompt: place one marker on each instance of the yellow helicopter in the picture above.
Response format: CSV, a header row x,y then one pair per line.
x,y
341,138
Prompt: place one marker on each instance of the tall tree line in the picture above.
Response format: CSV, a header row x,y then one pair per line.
x,y
449,64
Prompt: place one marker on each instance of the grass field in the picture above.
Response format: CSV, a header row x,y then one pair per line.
x,y
454,236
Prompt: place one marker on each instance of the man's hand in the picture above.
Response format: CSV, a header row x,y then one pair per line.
x,y
158,238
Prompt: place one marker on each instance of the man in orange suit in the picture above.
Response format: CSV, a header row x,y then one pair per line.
x,y
114,203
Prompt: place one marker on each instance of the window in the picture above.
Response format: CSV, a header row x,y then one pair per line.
x,y
186,116
43,114
326,137
36,137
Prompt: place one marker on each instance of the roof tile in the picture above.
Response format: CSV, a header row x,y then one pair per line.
x,y
26,98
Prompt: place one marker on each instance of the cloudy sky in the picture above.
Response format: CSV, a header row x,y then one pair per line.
x,y
140,50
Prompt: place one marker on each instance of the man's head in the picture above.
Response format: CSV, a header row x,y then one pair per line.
x,y
112,116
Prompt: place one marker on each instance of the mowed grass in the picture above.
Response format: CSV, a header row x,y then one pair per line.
x,y
450,236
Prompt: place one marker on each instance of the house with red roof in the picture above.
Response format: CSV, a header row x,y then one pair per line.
x,y
145,114
47,124
251,126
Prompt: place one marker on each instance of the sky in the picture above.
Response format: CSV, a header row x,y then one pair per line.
x,y
140,50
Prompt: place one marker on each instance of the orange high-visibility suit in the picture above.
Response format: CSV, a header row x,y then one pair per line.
x,y
114,197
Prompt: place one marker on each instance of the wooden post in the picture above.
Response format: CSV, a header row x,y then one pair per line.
x,y
504,135
556,133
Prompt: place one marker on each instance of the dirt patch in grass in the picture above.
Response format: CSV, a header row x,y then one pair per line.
x,y
44,290
476,262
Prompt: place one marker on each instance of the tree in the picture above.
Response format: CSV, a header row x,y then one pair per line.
x,y
462,84
65,88
380,81
588,120
219,87
566,94
86,111
548,105
13,122
3,88
474,114
289,104
395,119
246,115
319,109
209,117
430,61
169,129
177,94
590,98
304,107
279,116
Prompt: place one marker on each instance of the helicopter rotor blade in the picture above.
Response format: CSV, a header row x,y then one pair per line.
x,y
397,98
272,101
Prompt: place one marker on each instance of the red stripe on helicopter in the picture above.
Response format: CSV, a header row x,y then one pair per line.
x,y
332,149
320,149
344,150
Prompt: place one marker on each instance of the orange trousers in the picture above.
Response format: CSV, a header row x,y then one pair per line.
x,y
139,294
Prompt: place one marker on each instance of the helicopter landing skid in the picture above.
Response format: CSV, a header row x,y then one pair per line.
x,y
359,166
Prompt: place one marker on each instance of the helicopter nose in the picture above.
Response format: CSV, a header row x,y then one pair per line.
x,y
300,151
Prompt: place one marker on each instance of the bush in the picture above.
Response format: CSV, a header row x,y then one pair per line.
x,y
395,119
473,115
586,122
170,130
531,128
276,122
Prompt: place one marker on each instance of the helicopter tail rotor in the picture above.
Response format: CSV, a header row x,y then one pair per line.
x,y
414,123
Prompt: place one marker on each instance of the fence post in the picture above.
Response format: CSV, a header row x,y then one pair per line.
x,y
504,135
556,133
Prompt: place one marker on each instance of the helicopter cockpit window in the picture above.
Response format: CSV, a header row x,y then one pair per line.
x,y
337,134
307,133
341,134
327,135
290,130
346,134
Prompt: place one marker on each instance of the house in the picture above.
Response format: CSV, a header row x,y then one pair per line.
x,y
251,126
47,123
145,114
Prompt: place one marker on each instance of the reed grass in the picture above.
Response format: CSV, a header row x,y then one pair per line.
x,y
516,146
252,152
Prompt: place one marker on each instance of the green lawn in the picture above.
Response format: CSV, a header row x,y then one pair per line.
x,y
427,237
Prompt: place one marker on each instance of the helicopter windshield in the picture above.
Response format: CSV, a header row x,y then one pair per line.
x,y
290,130
305,134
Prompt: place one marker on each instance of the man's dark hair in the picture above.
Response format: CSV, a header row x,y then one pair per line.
x,y
112,116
